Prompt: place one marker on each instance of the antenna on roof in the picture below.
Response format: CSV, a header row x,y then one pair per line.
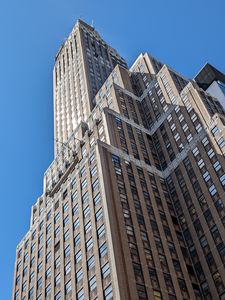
x,y
92,23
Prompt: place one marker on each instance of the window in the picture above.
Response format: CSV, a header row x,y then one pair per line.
x,y
195,151
58,296
39,283
211,153
108,294
221,142
222,179
19,266
92,283
215,130
57,232
67,251
90,263
39,267
87,227
93,171
57,217
65,207
85,198
86,211
68,268
105,270
57,246
68,287
95,185
26,244
48,273
80,295
103,250
79,275
66,235
25,271
25,257
73,183
31,276
83,171
48,242
48,257
97,199
24,286
76,224
31,293
48,215
48,229
48,290
33,245
99,214
57,279
76,240
89,245
74,196
78,257
57,262
17,294
75,210
212,190
203,241
101,231
84,184
17,279
201,163
189,137
217,165
206,176
64,194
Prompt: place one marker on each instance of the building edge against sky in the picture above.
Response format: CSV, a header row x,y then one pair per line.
x,y
132,206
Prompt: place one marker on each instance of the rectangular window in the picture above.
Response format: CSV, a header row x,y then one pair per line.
x,y
89,245
78,257
68,268
76,240
92,283
79,275
76,224
97,199
101,231
68,287
67,251
103,250
87,227
86,212
108,294
80,295
57,279
95,185
105,270
48,290
90,263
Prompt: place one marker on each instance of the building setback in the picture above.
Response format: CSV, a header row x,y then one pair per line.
x,y
133,202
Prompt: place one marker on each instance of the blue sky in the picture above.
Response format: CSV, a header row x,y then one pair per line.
x,y
183,34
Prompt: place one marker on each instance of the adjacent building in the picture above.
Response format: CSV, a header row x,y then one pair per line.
x,y
212,81
133,202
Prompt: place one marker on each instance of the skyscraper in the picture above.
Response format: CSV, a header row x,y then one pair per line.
x,y
132,206
82,65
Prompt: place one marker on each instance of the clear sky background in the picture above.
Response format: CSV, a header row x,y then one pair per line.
x,y
183,34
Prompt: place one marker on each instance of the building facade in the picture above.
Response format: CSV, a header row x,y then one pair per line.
x,y
212,81
133,203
